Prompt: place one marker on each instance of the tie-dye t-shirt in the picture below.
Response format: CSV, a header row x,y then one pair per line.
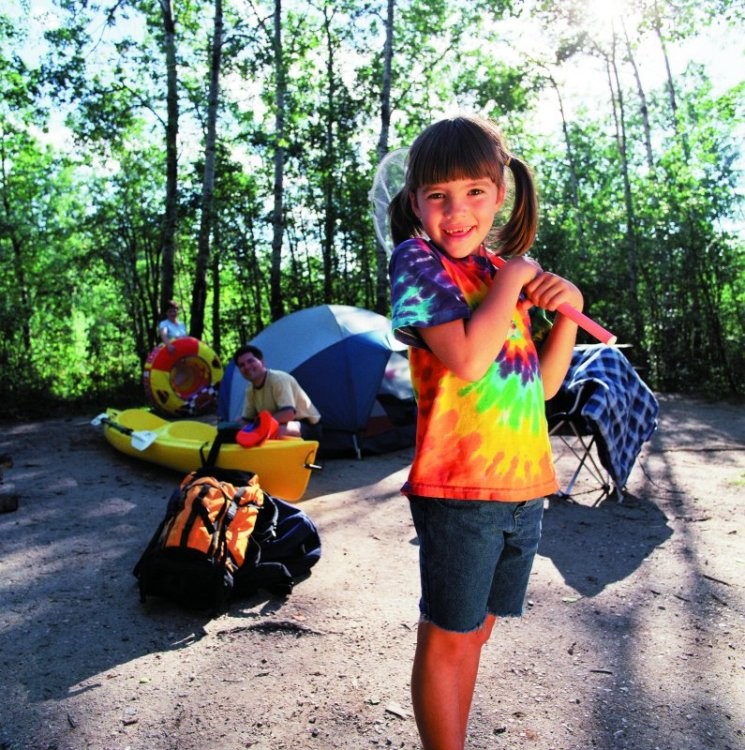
x,y
482,440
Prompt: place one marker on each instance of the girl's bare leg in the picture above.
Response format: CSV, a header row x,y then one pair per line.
x,y
442,683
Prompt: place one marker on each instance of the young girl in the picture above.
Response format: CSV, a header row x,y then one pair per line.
x,y
483,462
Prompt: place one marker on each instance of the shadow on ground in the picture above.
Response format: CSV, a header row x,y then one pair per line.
x,y
593,547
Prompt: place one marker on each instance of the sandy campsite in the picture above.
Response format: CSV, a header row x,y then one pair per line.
x,y
634,634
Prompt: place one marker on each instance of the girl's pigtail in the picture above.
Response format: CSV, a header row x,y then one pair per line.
x,y
404,222
517,236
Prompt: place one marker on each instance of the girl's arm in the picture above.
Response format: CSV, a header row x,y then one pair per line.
x,y
549,291
469,347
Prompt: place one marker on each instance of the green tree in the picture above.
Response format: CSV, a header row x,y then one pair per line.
x,y
252,191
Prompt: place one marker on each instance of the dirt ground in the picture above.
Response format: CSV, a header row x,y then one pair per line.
x,y
634,634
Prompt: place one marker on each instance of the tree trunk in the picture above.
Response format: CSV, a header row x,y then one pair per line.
x,y
328,172
643,108
23,314
677,126
275,296
215,273
619,117
381,286
199,292
171,207
574,182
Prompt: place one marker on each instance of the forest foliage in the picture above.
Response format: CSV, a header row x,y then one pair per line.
x,y
221,152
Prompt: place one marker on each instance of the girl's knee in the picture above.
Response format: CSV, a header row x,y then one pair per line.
x,y
483,633
435,639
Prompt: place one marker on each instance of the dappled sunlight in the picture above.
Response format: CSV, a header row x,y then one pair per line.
x,y
616,576
634,609
344,474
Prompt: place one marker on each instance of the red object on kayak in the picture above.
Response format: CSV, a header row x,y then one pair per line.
x,y
264,427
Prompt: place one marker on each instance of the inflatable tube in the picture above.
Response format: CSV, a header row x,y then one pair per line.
x,y
182,377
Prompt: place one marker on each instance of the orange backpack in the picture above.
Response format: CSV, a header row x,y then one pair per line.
x,y
204,539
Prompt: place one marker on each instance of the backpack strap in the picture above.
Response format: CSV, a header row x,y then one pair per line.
x,y
266,521
225,434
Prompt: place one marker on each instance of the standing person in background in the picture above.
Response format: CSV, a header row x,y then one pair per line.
x,y
278,393
482,463
171,327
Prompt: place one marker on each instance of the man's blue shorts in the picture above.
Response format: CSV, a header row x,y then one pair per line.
x,y
475,558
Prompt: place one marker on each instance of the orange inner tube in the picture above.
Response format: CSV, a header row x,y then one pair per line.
x,y
182,377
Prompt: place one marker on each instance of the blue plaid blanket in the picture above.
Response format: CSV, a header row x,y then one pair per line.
x,y
621,409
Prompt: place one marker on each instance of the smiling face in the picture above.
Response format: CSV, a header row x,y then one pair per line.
x,y
252,368
458,214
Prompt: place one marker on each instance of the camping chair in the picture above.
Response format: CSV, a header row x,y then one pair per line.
x,y
603,414
565,421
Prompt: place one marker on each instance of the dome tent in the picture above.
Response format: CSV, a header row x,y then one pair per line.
x,y
350,365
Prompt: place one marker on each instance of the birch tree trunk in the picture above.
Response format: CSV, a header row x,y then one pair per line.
x,y
381,286
199,290
215,274
328,179
619,117
672,95
643,106
571,161
276,304
170,222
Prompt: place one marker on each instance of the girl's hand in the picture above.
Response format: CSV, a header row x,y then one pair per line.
x,y
547,290
522,268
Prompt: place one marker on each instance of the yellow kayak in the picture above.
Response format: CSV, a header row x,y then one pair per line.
x,y
283,466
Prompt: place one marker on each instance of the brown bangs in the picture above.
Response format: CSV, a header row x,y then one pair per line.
x,y
456,150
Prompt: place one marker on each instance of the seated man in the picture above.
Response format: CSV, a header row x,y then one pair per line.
x,y
276,392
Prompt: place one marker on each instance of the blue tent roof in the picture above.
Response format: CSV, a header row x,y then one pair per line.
x,y
342,356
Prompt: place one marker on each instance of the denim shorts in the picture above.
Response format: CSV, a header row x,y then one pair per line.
x,y
475,558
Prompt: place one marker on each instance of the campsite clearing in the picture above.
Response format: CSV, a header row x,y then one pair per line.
x,y
633,636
